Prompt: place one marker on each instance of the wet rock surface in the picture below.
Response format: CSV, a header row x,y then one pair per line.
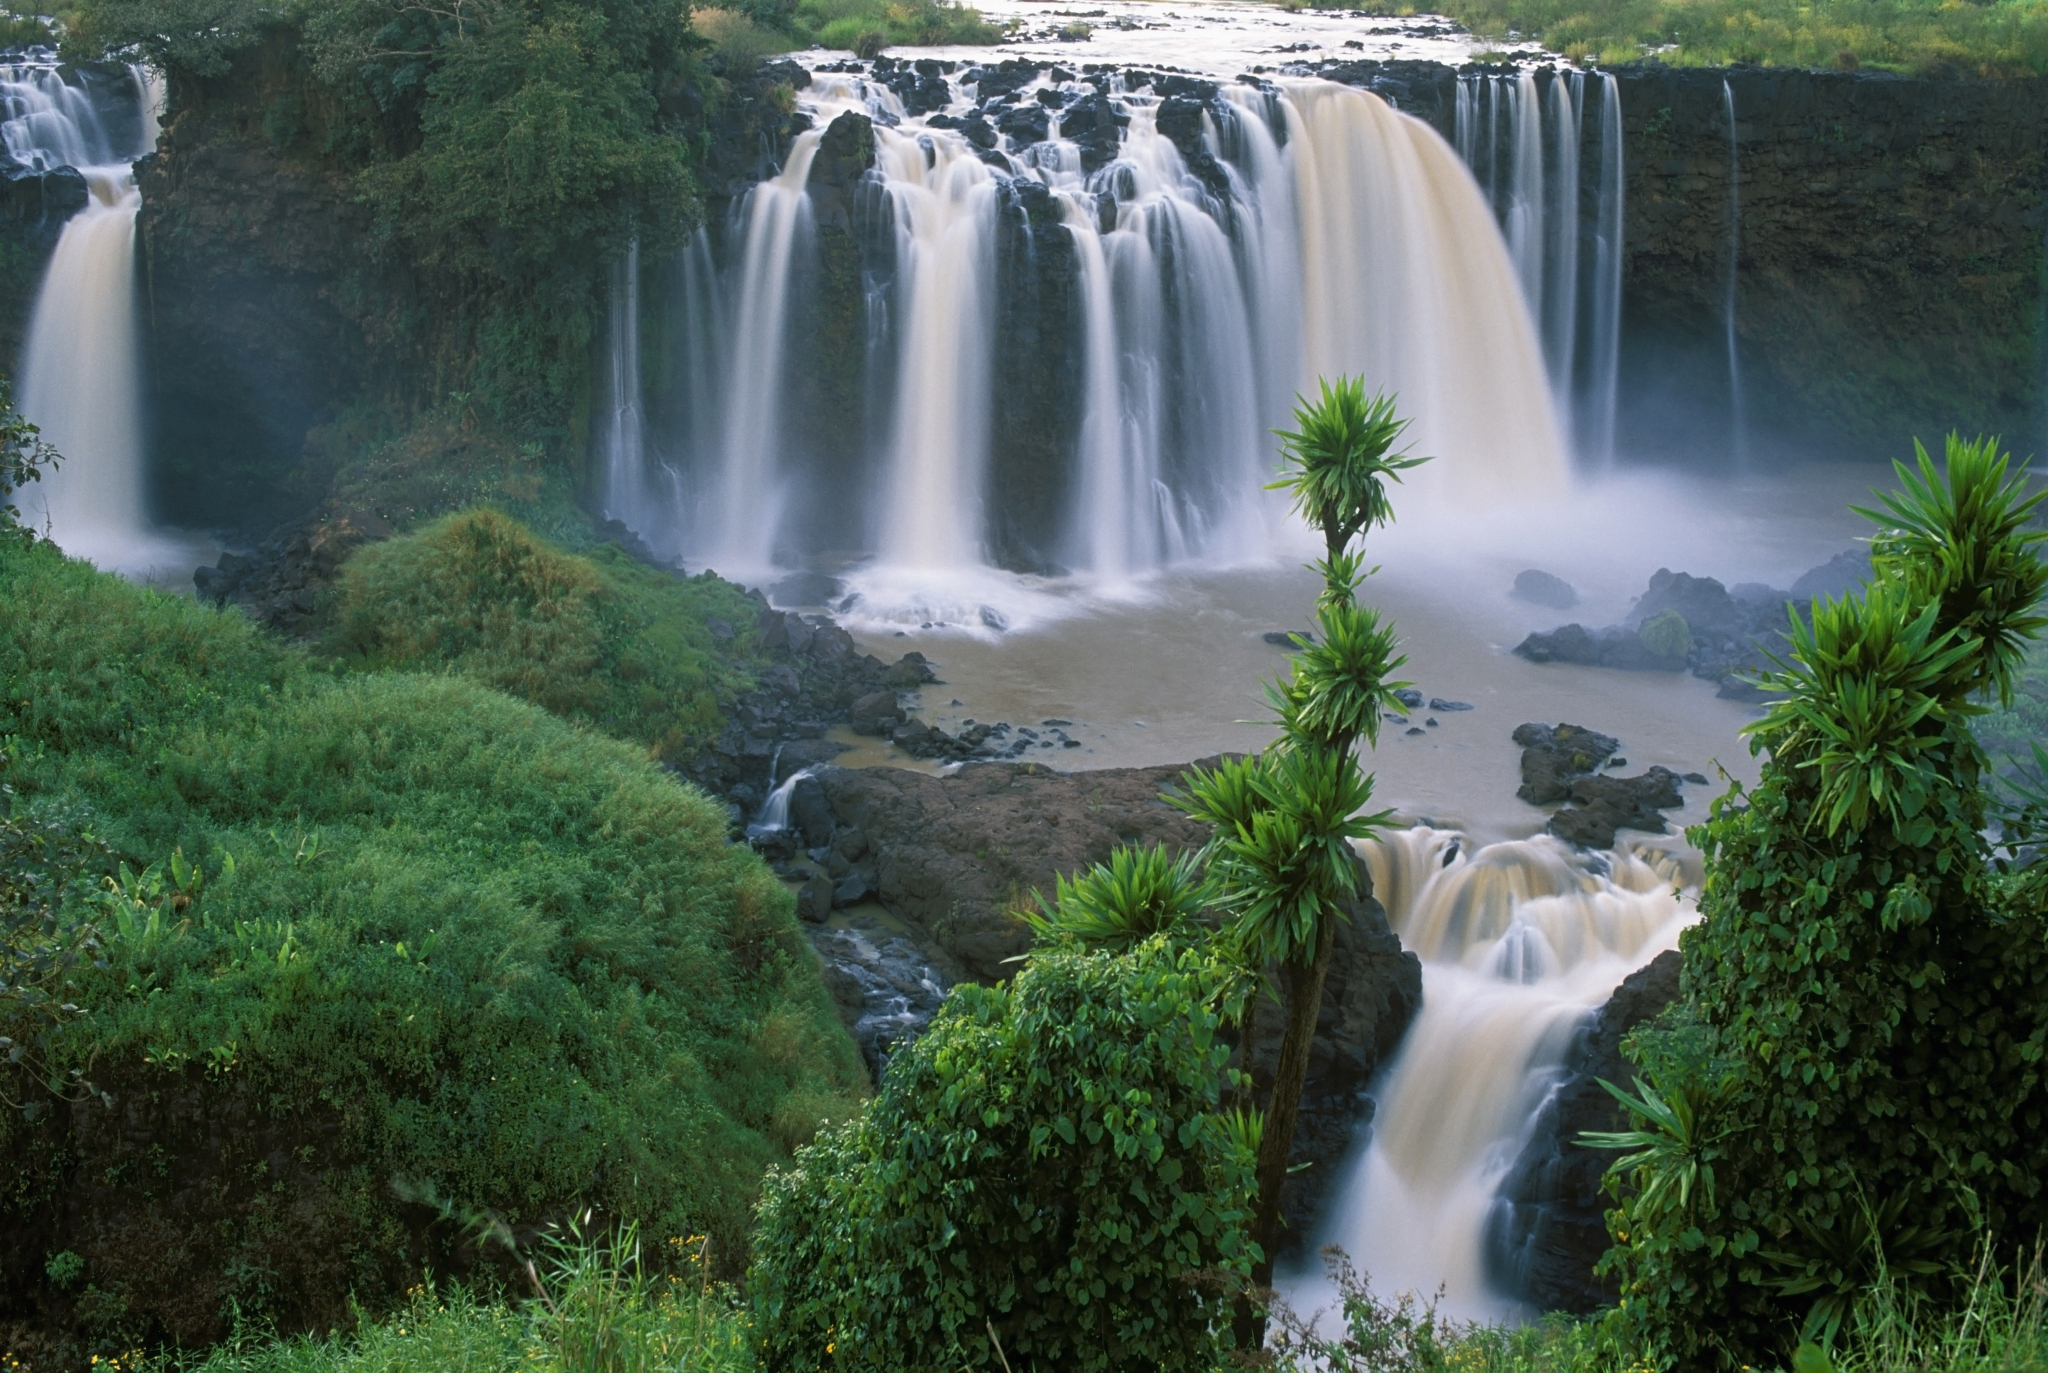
x,y
1548,1228
1686,623
1561,764
280,582
1541,588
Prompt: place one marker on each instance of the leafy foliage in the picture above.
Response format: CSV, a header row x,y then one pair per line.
x,y
508,150
1869,991
495,952
599,1305
1340,456
1045,1181
24,457
593,637
1138,893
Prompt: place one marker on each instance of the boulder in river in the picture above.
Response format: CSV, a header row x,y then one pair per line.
x,y
1541,588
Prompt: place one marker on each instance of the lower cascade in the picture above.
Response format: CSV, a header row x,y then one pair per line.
x,y
1048,328
1520,943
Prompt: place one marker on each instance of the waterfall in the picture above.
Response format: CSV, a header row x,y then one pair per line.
x,y
1520,943
775,810
1525,140
944,200
81,372
1738,419
740,535
1163,295
622,441
1561,269
1603,389
1526,193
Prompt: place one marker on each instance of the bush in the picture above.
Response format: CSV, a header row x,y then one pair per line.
x,y
462,949
1047,1166
1860,1042
595,637
865,27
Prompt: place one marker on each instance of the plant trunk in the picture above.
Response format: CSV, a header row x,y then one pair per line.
x,y
1276,1143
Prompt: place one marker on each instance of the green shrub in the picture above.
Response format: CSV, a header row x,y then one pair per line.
x,y
1861,1038
1047,1166
595,637
485,952
867,26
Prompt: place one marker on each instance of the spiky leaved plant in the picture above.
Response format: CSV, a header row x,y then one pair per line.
x,y
1282,857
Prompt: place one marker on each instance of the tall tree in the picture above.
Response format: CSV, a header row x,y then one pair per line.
x,y
1282,859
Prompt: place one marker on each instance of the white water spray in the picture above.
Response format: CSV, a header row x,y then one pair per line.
x,y
1520,943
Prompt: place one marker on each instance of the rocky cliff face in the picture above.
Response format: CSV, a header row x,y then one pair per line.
x,y
1889,266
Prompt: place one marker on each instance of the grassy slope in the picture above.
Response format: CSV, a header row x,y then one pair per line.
x,y
594,637
2002,38
513,957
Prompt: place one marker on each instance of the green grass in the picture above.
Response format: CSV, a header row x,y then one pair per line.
x,y
596,1315
594,637
497,957
2002,38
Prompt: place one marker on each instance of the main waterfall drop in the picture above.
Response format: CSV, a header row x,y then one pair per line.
x,y
81,371
1028,323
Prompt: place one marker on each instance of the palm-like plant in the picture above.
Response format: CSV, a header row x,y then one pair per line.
x,y
1282,856
1138,893
1871,689
1960,540
1671,1148
1341,457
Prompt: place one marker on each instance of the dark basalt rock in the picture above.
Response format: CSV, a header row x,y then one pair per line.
x,y
1179,119
1541,588
1561,763
1552,755
1547,1230
1095,125
1840,575
1025,125
1602,805
279,584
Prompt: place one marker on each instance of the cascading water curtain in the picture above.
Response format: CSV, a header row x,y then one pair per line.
x,y
1526,139
1072,350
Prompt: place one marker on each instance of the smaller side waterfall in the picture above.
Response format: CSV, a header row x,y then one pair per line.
x,y
622,444
1603,389
1527,139
82,380
81,370
1737,418
1519,943
741,529
774,814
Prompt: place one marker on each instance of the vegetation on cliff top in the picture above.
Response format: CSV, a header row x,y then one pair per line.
x,y
1923,37
481,953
